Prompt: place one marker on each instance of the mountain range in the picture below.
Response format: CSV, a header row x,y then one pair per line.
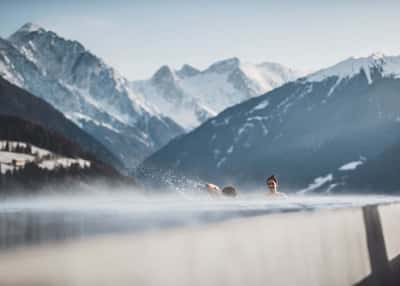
x,y
131,118
190,96
331,130
302,131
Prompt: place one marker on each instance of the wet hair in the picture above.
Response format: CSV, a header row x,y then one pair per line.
x,y
229,191
272,178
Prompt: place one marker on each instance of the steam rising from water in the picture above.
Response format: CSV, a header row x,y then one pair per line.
x,y
54,217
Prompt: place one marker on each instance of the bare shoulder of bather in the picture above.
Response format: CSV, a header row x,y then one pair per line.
x,y
213,189
281,195
277,195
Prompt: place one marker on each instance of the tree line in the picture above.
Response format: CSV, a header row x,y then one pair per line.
x,y
30,177
17,148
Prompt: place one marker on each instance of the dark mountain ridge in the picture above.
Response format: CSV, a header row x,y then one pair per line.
x,y
32,176
15,101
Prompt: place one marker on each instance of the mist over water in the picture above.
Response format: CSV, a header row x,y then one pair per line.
x,y
37,220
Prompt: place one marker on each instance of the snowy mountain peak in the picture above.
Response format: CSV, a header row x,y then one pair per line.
x,y
34,33
187,71
30,27
388,66
224,65
191,96
164,74
377,55
26,30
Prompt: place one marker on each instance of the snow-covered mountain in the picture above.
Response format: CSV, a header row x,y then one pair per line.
x,y
86,90
132,119
388,66
302,131
191,96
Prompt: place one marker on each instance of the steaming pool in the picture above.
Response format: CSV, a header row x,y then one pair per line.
x,y
26,221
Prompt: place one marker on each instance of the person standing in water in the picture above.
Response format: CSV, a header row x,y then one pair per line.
x,y
272,184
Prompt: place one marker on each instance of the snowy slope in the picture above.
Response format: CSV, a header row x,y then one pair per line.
x,y
387,65
191,96
86,90
12,160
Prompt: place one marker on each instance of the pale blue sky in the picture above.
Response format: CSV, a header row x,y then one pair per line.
x,y
137,37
